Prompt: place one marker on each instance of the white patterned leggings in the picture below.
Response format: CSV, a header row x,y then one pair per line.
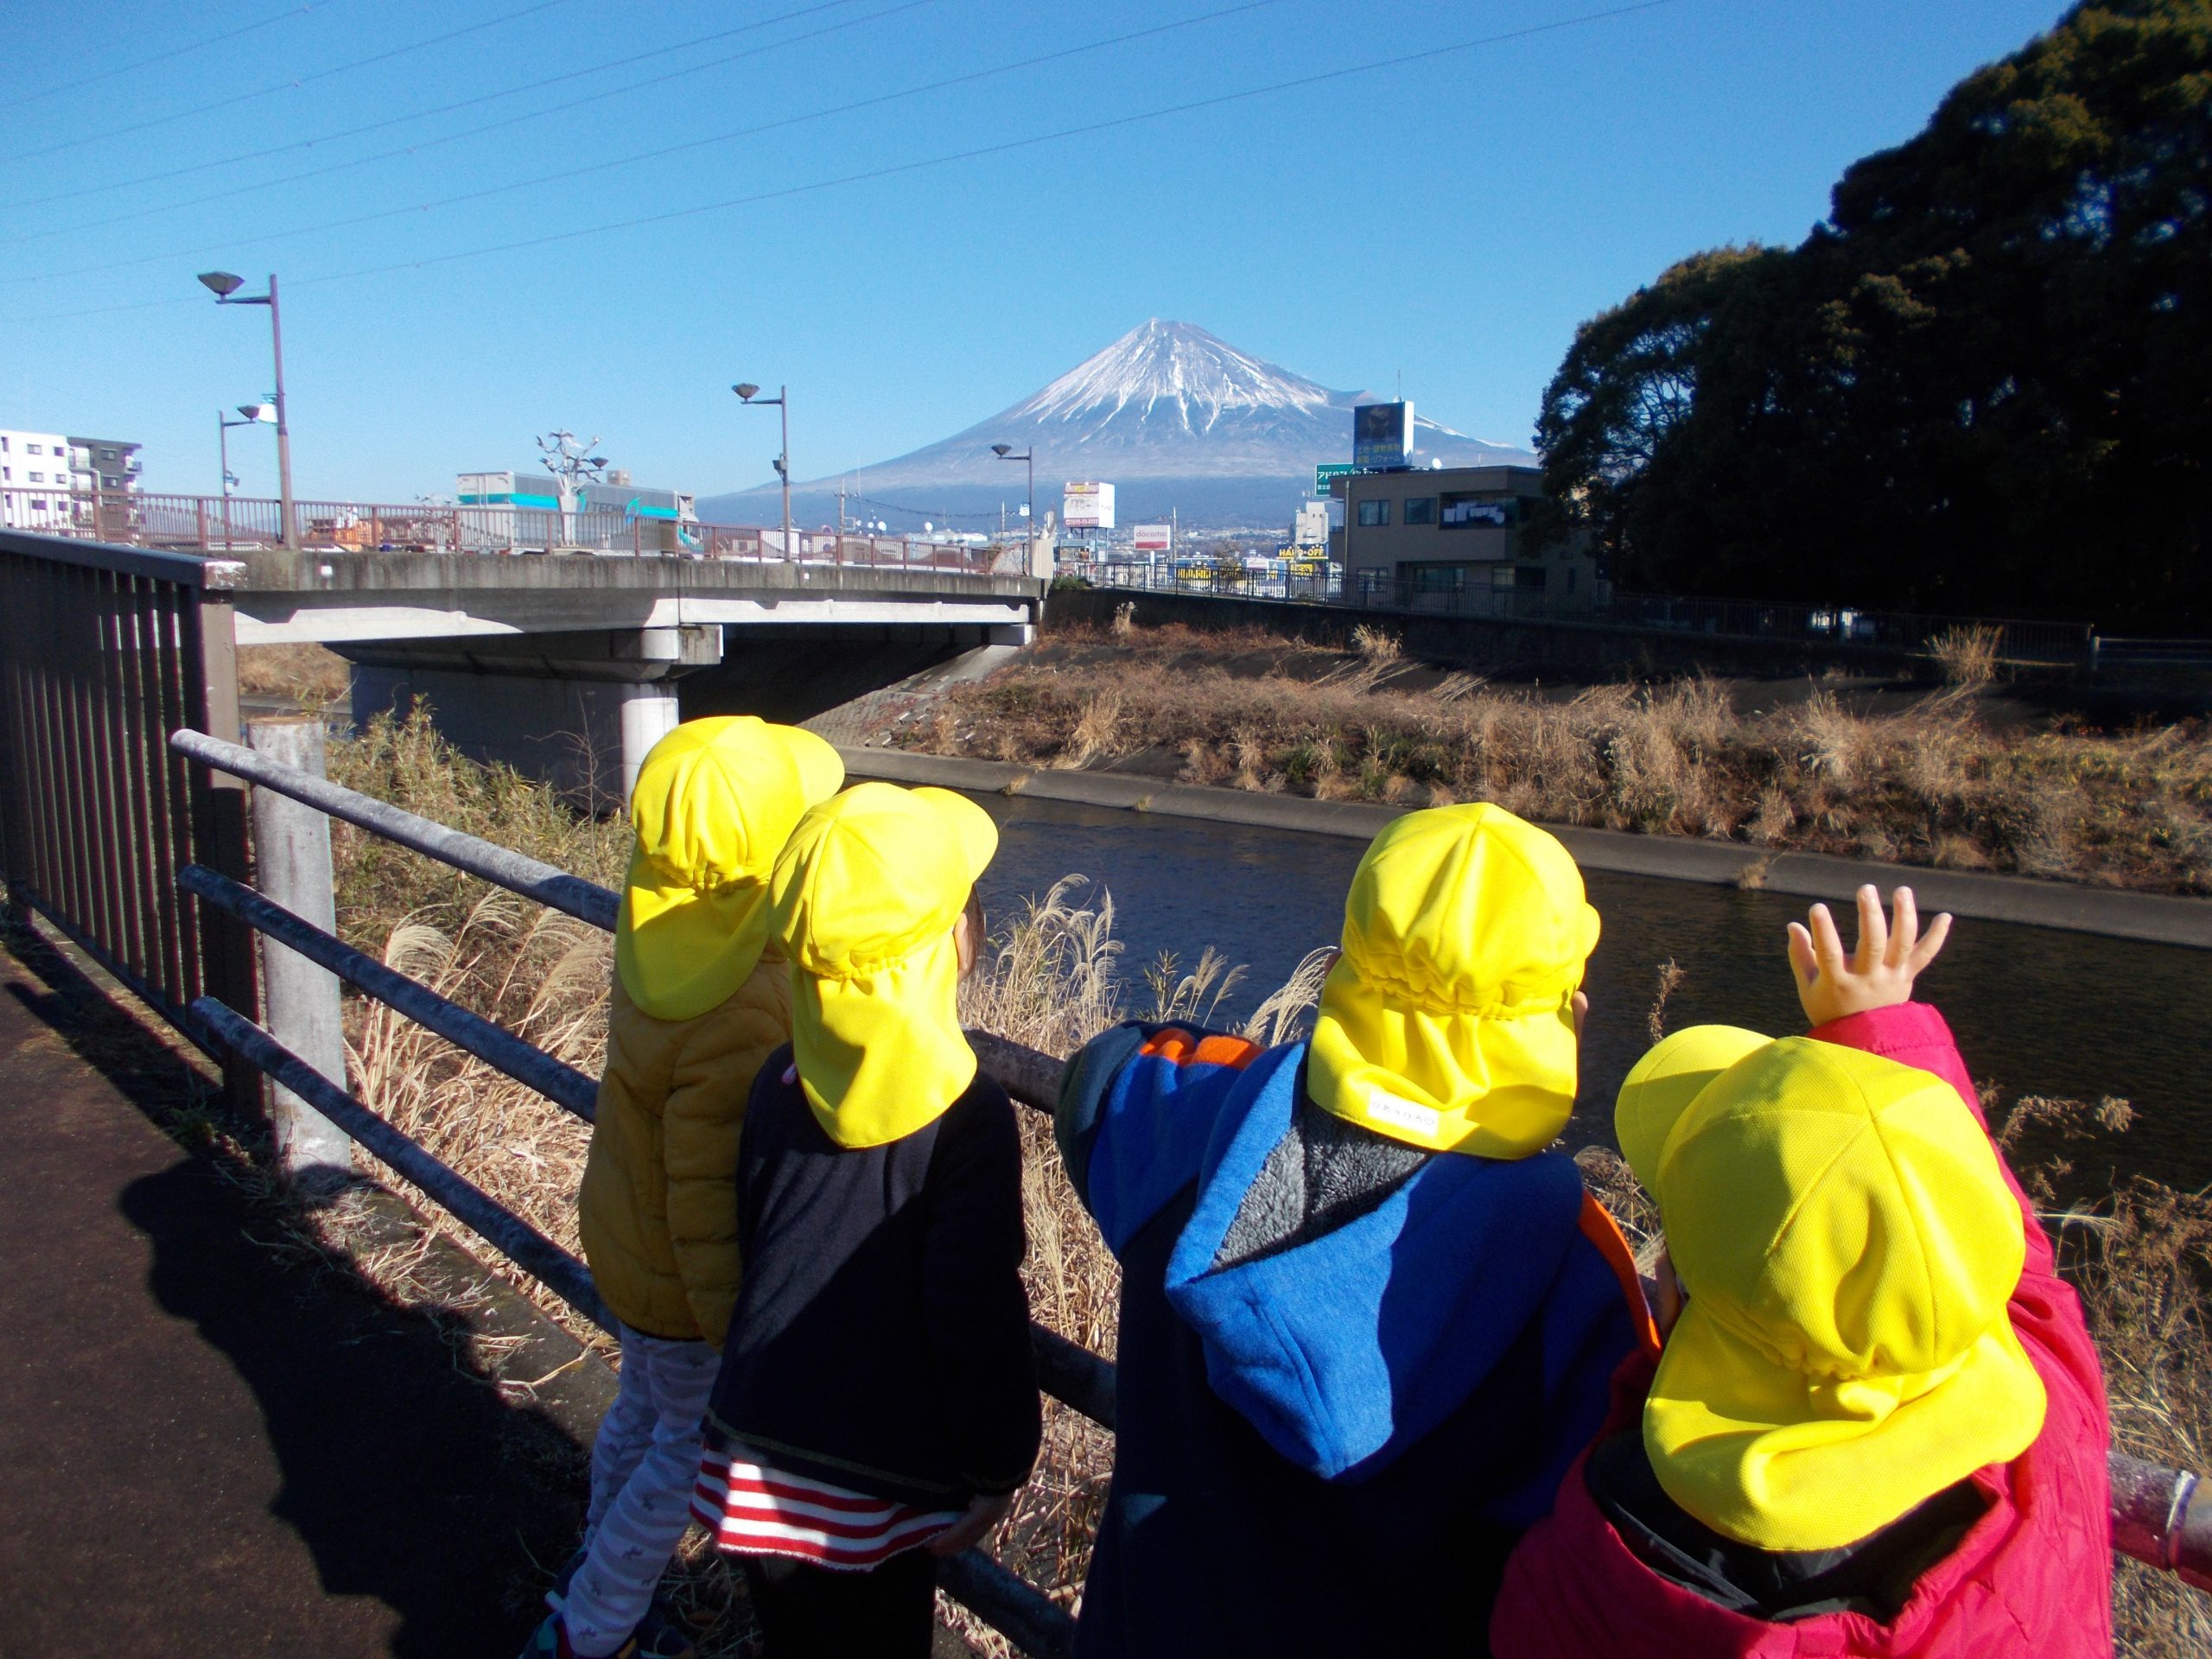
x,y
643,1467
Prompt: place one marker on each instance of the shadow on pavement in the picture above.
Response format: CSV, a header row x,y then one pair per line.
x,y
220,1441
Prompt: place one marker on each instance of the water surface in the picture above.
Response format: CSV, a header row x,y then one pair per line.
x,y
2036,1010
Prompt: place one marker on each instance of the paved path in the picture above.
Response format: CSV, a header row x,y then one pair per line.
x,y
208,1447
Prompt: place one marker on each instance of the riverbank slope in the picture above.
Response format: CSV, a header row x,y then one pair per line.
x,y
1959,778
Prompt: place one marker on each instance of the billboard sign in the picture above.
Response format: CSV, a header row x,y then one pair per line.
x,y
1087,505
1382,436
1463,511
1153,538
1326,474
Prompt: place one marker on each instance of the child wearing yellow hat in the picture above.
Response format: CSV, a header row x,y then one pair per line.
x,y
1878,1426
1367,1312
877,1404
701,997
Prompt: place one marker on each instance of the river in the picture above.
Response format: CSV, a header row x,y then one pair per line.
x,y
2036,1011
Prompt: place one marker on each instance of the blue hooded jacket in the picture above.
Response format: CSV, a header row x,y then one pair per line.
x,y
1330,1448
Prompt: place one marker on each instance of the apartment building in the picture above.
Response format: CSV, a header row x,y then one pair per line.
x,y
36,478
105,464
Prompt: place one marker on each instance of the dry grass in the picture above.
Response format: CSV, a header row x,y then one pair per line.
x,y
1934,784
310,675
2141,1257
1968,657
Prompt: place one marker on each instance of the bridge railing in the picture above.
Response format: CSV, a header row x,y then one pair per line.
x,y
214,523
103,651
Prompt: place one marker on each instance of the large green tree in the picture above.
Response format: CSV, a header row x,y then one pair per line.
x,y
1985,384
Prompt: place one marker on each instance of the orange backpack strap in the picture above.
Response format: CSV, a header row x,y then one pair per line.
x,y
1187,1047
1602,1230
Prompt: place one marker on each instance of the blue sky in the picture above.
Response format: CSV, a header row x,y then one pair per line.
x,y
1448,220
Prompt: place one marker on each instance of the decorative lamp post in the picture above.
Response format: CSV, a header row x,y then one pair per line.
x,y
224,286
746,390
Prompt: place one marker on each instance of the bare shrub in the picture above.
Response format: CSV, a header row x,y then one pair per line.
x,y
1968,656
1125,618
311,675
1375,644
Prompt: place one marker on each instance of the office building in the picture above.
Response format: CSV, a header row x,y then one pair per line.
x,y
1453,531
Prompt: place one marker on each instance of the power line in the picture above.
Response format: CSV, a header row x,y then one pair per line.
x,y
471,133
287,85
423,115
22,98
665,151
896,170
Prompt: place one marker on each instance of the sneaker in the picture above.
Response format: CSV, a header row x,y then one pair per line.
x,y
661,1634
550,1640
556,1594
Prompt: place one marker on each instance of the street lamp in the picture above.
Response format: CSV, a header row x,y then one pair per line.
x,y
224,286
746,390
1005,452
253,415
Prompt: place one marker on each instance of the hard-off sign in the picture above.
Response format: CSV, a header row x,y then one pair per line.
x,y
1087,505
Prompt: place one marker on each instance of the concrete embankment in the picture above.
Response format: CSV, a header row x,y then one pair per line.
x,y
2158,918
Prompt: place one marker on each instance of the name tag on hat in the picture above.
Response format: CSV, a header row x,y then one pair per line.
x,y
1404,1114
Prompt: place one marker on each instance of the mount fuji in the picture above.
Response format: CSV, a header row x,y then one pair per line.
x,y
1171,415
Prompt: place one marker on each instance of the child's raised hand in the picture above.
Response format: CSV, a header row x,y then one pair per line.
x,y
1879,974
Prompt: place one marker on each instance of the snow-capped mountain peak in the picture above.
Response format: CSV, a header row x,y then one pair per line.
x,y
1178,362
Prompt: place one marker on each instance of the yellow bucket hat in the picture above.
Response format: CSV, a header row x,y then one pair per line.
x,y
1446,1024
1849,1246
715,802
864,897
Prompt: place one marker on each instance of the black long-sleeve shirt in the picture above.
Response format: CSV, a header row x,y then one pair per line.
x,y
881,1335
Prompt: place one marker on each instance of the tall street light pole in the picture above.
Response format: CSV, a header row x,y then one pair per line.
x,y
224,286
782,400
1028,457
252,415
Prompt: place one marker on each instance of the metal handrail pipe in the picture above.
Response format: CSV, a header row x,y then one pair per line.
x,y
496,1046
1074,1375
585,900
508,1233
2162,1517
1011,1607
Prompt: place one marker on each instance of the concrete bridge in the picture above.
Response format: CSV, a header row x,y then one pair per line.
x,y
559,664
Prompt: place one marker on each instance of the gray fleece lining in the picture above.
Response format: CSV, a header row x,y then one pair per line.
x,y
1323,1173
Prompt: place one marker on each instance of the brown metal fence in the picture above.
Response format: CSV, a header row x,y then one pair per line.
x,y
103,651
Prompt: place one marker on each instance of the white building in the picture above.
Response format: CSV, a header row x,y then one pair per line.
x,y
35,480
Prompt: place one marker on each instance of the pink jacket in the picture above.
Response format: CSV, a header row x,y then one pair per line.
x,y
2032,1576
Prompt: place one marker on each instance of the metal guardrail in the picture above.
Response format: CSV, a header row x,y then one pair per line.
x,y
2022,641
1067,1371
214,523
2158,1515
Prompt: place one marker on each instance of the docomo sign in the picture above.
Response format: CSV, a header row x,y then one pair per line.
x,y
1154,538
1087,505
